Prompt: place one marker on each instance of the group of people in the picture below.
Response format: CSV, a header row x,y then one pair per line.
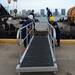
x,y
8,30
5,25
51,20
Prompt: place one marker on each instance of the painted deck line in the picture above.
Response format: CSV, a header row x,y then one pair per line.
x,y
64,41
67,41
8,41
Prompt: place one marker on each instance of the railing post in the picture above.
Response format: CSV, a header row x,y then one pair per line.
x,y
20,45
27,37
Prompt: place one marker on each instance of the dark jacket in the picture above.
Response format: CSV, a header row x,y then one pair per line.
x,y
24,30
49,13
57,30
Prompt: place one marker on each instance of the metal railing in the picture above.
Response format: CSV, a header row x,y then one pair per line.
x,y
20,41
52,35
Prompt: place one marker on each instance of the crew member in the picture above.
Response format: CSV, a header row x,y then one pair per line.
x,y
32,13
55,25
49,13
29,20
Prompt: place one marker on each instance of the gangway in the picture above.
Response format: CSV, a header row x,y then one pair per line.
x,y
39,55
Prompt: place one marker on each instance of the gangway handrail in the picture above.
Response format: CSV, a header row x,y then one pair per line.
x,y
18,33
19,36
52,33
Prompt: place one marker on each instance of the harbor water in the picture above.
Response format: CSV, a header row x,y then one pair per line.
x,y
44,19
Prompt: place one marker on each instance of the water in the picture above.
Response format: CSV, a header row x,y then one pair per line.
x,y
44,19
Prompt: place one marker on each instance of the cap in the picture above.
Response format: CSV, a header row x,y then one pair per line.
x,y
52,19
31,17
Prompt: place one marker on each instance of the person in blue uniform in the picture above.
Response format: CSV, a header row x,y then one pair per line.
x,y
32,13
49,13
29,20
55,25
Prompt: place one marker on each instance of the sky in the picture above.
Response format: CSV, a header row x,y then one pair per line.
x,y
39,4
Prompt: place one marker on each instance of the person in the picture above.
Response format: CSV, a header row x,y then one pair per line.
x,y
49,13
29,20
32,13
55,25
6,26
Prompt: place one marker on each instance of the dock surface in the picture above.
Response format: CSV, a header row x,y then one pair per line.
x,y
9,58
